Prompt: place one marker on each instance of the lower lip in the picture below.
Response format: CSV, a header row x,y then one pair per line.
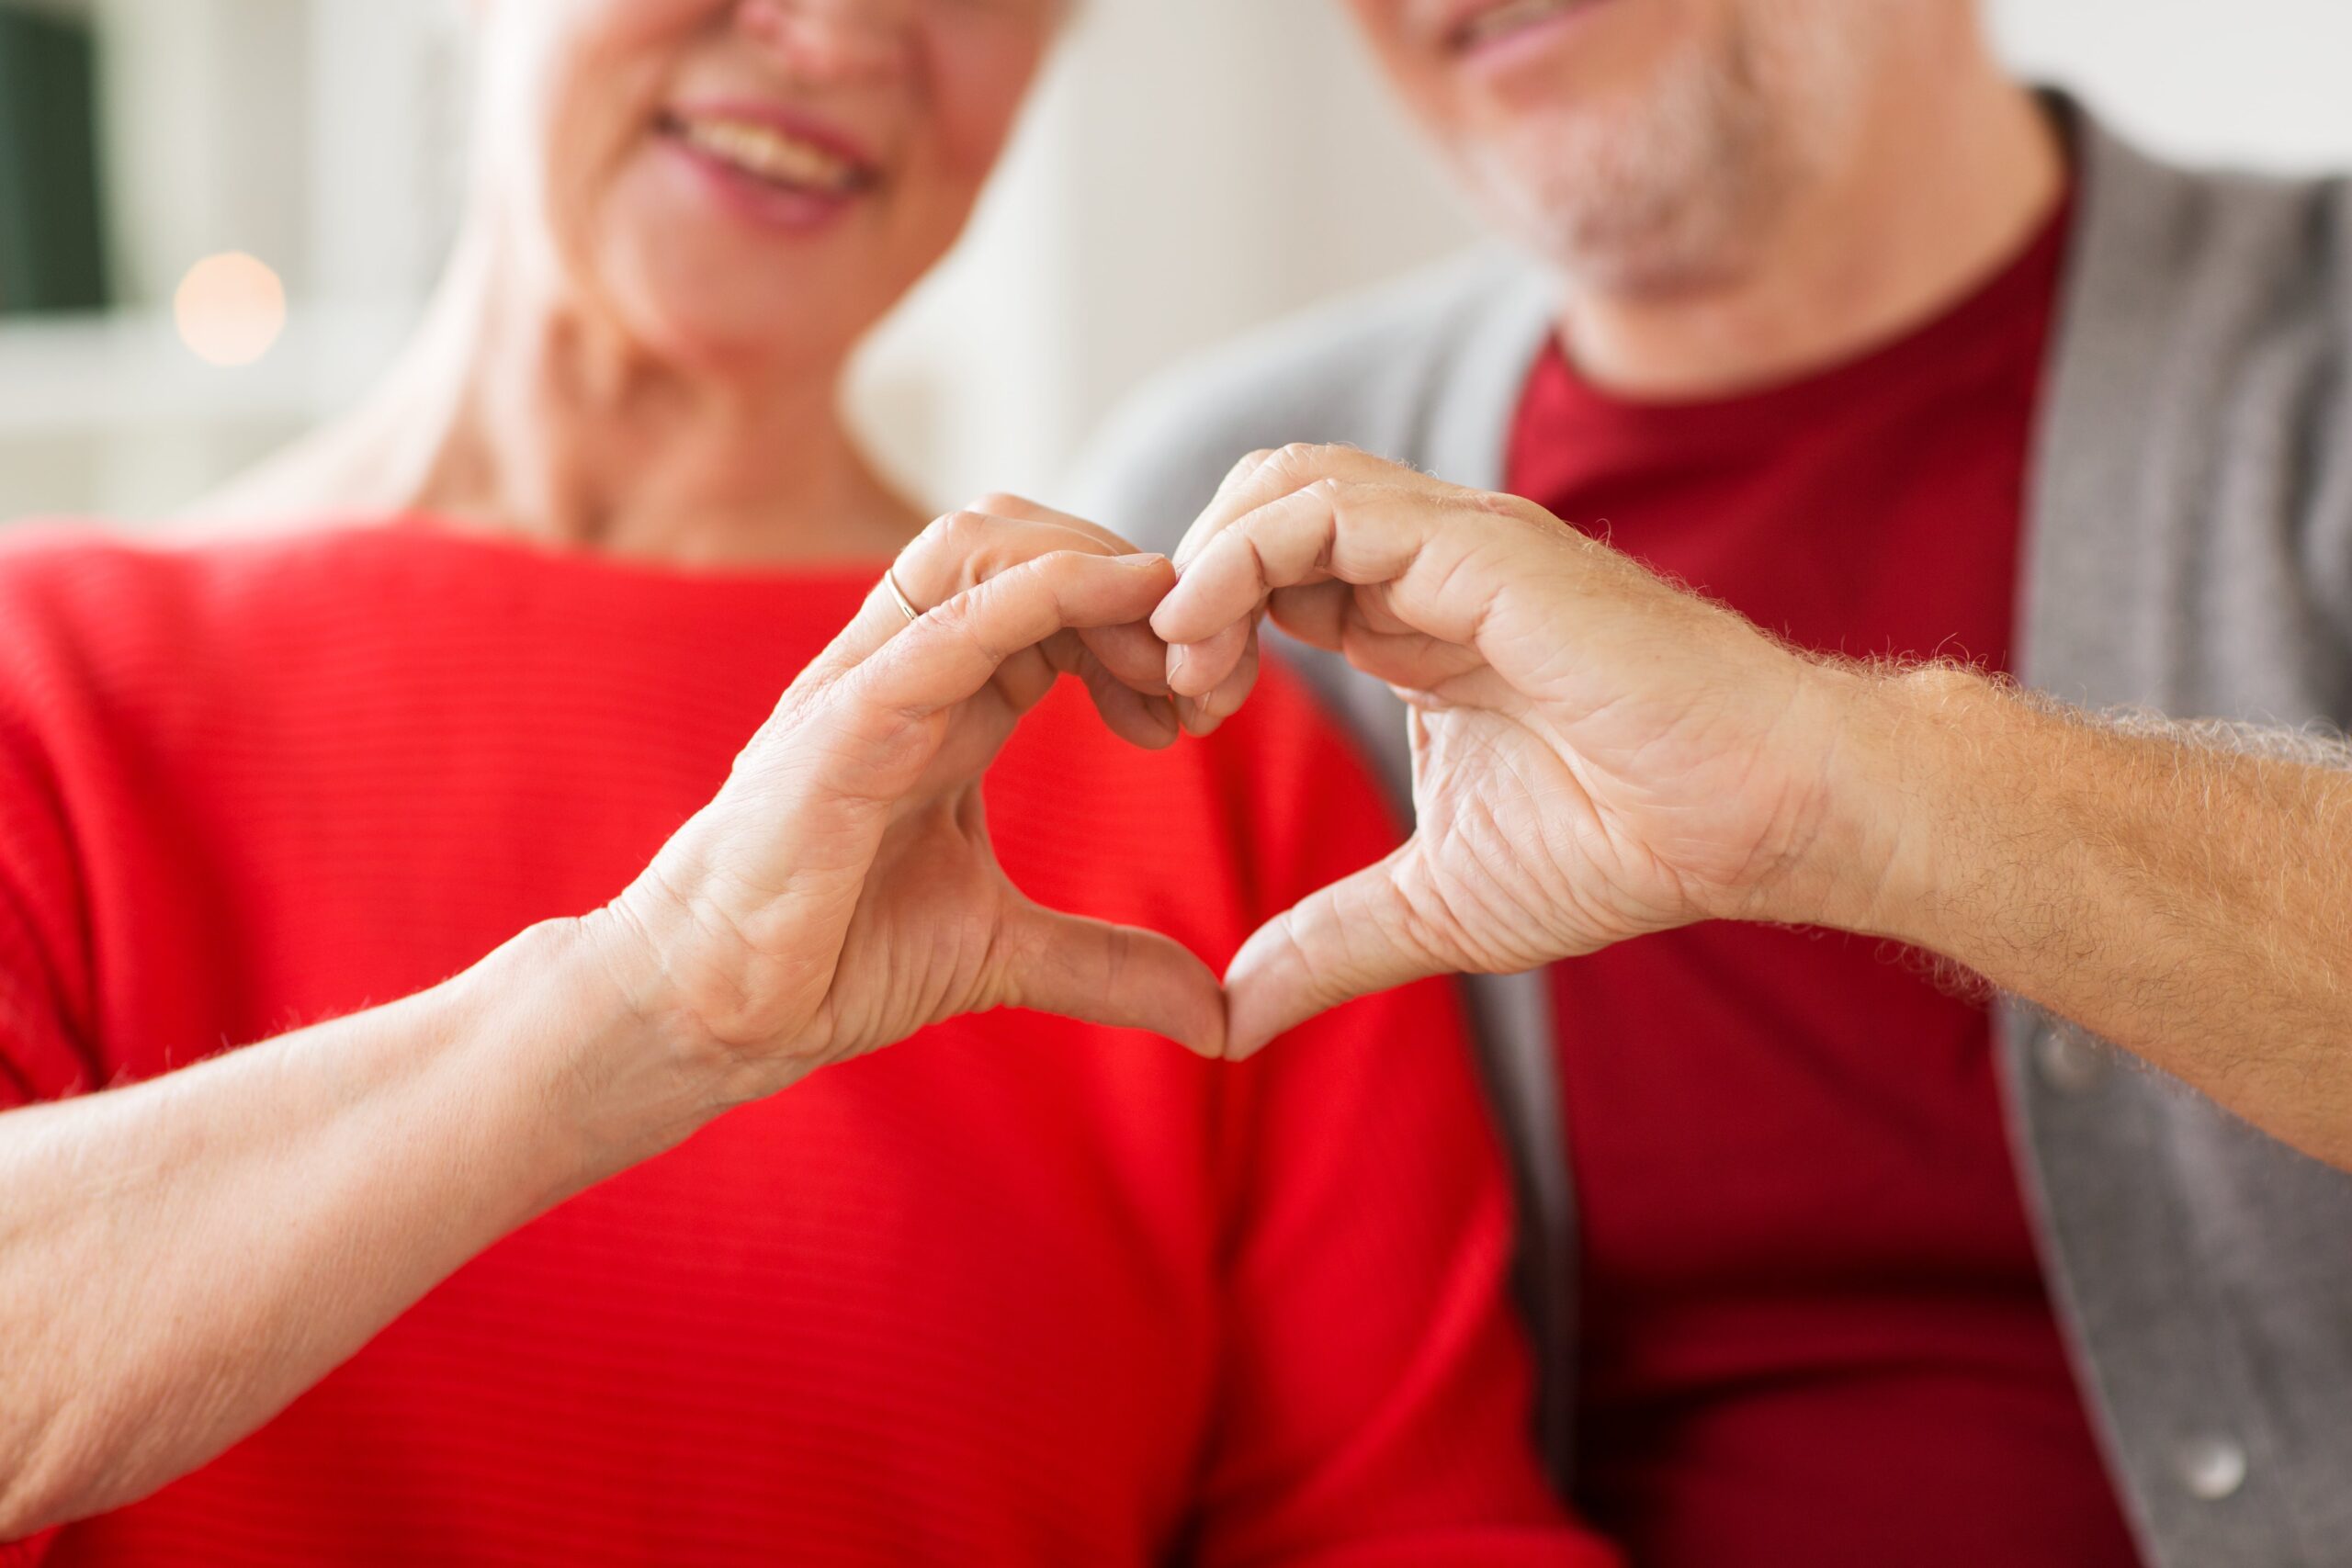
x,y
1513,47
762,202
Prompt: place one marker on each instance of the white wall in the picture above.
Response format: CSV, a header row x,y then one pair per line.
x,y
316,134
1197,166
1191,168
2255,82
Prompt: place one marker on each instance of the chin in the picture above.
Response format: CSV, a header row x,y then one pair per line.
x,y
705,301
1662,189
1662,163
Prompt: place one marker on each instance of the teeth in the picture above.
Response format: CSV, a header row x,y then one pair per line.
x,y
771,155
1509,17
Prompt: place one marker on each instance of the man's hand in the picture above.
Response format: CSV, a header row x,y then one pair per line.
x,y
1597,754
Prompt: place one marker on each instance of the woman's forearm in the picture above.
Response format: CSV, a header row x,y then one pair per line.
x,y
180,1258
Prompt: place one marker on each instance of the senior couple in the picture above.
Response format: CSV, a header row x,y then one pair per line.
x,y
560,1201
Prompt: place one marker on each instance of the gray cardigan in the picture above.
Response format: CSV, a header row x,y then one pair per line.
x,y
2190,550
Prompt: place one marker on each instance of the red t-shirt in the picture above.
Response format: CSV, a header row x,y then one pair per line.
x,y
1017,1291
1814,1327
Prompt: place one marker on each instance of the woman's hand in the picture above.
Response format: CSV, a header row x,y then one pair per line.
x,y
840,892
254,1219
1596,754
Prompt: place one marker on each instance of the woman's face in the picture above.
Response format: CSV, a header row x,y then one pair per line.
x,y
750,181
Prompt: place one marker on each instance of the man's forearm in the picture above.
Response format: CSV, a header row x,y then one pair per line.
x,y
181,1258
2184,892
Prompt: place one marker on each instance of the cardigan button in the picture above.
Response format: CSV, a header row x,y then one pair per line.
x,y
2211,1466
2069,1060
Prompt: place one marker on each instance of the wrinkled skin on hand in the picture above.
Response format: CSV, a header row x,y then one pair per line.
x,y
1596,753
840,892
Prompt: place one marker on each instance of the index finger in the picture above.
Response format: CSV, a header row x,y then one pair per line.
x,y
1130,653
1213,674
1415,537
956,649
999,504
1265,477
956,551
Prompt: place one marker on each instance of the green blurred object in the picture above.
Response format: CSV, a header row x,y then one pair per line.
x,y
52,250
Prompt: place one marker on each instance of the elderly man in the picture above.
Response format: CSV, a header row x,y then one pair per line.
x,y
1931,380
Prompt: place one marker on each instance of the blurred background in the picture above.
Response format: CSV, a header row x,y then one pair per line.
x,y
218,216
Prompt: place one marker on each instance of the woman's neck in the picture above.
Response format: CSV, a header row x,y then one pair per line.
x,y
516,411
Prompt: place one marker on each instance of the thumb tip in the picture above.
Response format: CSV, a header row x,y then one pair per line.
x,y
1253,1020
1241,1048
1210,1043
1169,621
1205,1013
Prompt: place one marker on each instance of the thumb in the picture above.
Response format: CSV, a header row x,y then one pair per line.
x,y
1345,941
1122,976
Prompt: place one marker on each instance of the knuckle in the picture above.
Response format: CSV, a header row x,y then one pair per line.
x,y
956,533
999,503
1058,570
1251,465
967,621
1251,462
935,543
957,614
964,526
961,546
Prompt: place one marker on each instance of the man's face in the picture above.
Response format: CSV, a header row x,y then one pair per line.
x,y
1644,146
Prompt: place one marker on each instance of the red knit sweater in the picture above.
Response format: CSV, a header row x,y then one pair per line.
x,y
1018,1291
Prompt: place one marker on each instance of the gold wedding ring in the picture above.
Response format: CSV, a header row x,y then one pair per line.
x,y
899,596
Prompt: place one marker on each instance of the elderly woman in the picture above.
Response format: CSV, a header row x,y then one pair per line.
x,y
579,1256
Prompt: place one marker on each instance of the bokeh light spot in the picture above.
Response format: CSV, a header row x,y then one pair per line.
x,y
230,308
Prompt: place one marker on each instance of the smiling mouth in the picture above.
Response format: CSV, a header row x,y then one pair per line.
x,y
1499,22
769,154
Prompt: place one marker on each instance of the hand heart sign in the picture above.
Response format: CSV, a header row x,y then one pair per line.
x,y
840,892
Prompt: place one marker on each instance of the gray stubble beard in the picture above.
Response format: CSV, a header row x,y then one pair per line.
x,y
1679,192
